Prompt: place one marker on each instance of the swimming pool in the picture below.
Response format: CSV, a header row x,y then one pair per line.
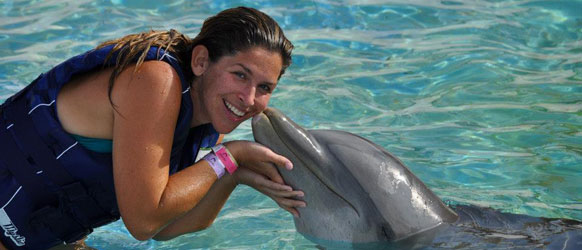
x,y
481,99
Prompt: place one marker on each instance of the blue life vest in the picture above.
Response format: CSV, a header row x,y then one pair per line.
x,y
53,190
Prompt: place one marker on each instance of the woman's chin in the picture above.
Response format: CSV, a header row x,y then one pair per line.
x,y
225,128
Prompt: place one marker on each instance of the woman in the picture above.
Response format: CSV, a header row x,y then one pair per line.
x,y
115,132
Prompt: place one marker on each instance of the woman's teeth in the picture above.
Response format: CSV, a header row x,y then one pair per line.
x,y
233,109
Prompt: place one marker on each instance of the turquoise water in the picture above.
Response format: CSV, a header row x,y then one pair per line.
x,y
481,99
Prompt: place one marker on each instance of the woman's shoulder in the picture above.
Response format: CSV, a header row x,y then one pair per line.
x,y
156,69
152,73
154,81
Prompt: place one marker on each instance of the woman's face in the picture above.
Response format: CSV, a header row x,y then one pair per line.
x,y
234,88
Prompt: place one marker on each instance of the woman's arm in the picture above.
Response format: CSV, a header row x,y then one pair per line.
x,y
146,106
205,212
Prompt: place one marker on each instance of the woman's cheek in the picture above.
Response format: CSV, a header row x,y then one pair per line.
x,y
262,104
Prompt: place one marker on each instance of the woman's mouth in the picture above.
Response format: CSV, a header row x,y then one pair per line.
x,y
234,110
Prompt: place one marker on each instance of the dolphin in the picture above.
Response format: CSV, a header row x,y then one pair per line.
x,y
357,192
365,193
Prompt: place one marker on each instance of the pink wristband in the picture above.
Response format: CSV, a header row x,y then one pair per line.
x,y
225,157
215,163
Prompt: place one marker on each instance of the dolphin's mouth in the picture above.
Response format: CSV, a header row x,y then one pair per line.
x,y
264,119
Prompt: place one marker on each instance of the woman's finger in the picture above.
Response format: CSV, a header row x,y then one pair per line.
x,y
283,194
259,158
272,184
267,155
290,202
258,181
270,171
285,198
279,160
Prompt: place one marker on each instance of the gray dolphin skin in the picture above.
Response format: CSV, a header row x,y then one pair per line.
x,y
358,193
365,193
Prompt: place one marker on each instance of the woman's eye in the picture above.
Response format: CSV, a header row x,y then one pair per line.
x,y
240,75
265,88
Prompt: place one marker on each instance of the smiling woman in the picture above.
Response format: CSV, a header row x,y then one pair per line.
x,y
223,93
156,98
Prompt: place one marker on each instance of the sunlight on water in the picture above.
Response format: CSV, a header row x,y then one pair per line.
x,y
481,99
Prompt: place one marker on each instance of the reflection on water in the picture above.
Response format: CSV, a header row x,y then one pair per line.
x,y
481,99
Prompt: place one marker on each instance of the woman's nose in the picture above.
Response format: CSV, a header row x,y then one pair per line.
x,y
247,96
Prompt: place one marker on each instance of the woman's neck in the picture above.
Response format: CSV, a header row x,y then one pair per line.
x,y
199,115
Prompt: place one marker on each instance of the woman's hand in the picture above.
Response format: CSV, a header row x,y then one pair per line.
x,y
283,195
258,158
257,170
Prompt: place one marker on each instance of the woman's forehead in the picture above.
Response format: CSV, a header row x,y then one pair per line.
x,y
256,61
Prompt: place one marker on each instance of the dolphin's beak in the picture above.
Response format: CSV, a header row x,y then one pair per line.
x,y
272,122
296,137
275,130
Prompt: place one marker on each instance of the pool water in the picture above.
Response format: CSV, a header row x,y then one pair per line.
x,y
481,99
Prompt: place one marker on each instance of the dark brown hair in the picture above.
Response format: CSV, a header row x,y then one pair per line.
x,y
226,33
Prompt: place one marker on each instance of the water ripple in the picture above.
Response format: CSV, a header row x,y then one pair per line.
x,y
481,99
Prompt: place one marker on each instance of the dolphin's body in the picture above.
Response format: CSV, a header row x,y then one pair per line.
x,y
357,192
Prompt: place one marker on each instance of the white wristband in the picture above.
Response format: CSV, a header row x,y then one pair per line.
x,y
215,163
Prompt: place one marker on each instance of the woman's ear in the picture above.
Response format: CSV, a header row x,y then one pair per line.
x,y
200,60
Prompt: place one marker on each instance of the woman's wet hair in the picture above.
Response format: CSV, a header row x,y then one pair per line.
x,y
242,28
228,32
